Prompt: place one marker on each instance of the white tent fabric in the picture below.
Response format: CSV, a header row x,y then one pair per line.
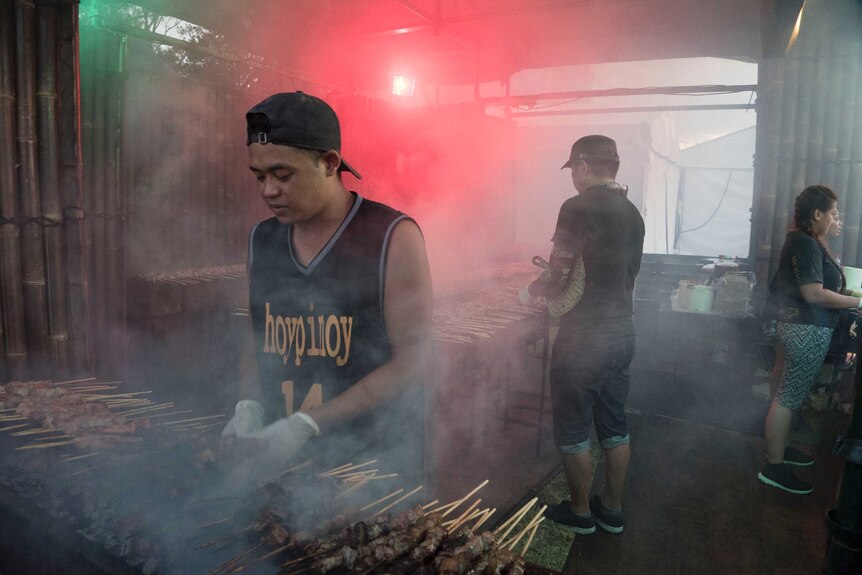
x,y
649,166
716,195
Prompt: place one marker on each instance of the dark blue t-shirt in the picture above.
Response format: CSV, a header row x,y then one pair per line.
x,y
607,230
804,260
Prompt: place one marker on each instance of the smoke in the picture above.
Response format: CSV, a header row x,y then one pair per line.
x,y
485,190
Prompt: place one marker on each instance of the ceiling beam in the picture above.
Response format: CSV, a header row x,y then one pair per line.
x,y
584,111
527,99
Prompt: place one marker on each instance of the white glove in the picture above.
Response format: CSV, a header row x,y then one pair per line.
x,y
524,295
288,435
247,419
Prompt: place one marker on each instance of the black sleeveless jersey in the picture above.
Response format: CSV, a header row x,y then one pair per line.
x,y
319,329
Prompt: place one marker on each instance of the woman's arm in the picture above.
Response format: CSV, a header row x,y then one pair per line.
x,y
814,293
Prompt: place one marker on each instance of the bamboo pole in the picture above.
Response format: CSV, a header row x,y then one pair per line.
x,y
203,182
854,181
239,188
197,205
830,93
32,245
217,231
848,62
49,179
113,197
802,119
14,337
764,170
816,171
94,149
784,183
77,237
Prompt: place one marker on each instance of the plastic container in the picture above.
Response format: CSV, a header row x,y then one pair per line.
x,y
854,277
683,298
701,299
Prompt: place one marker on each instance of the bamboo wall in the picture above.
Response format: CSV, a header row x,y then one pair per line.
x,y
810,130
191,199
43,288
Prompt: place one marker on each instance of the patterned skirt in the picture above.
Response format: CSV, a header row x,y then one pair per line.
x,y
805,348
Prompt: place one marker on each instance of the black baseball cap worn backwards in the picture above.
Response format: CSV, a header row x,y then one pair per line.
x,y
593,147
299,120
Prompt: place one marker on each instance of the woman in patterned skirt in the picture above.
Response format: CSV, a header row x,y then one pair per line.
x,y
807,292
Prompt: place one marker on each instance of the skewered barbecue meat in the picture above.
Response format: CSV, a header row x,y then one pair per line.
x,y
412,543
386,548
92,423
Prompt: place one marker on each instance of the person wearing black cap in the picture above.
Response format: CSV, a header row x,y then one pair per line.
x,y
339,290
595,343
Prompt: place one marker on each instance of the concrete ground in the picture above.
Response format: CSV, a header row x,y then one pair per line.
x,y
693,502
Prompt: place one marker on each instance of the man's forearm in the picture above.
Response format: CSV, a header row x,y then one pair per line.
x,y
249,384
373,391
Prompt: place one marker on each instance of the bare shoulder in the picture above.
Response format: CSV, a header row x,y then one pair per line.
x,y
406,243
407,266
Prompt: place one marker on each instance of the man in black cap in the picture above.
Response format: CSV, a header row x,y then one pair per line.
x,y
595,344
340,290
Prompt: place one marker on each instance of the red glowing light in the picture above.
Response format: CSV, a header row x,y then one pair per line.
x,y
403,86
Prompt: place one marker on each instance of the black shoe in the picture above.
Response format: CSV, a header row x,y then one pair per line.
x,y
562,513
610,520
779,475
793,456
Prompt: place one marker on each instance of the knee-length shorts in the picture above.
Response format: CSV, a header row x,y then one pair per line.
x,y
589,385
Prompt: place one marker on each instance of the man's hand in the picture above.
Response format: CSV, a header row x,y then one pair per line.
x,y
247,419
287,436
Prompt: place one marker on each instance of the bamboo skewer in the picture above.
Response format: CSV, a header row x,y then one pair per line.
x,y
229,564
430,504
351,489
455,504
457,521
43,445
37,431
357,473
85,391
210,426
117,395
11,427
399,500
76,457
222,539
381,500
317,553
54,437
305,463
463,518
510,523
530,540
335,470
133,418
476,513
145,409
487,515
537,518
387,476
74,381
349,467
193,419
